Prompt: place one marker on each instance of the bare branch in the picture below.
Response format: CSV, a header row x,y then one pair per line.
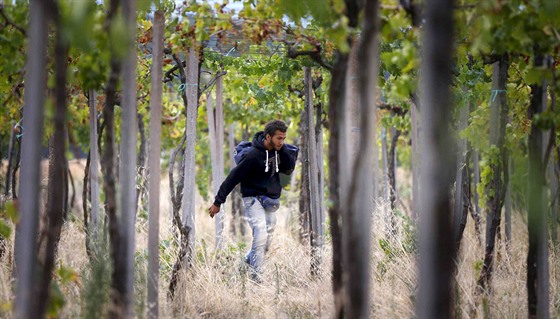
x,y
298,91
490,59
179,192
211,83
314,54
397,109
10,22
183,77
552,139
170,74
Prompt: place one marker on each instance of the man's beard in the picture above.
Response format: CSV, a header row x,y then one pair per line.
x,y
274,146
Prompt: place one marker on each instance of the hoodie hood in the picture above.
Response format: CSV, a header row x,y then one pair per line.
x,y
271,156
258,141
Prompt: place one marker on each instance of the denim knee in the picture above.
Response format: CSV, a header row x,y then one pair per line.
x,y
260,234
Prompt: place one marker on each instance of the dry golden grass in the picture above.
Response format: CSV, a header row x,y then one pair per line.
x,y
217,285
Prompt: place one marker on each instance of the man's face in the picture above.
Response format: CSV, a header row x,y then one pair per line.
x,y
277,141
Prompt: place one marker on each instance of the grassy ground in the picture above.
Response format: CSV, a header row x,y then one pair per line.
x,y
217,285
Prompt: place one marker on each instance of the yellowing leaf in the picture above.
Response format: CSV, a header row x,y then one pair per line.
x,y
56,301
67,275
11,212
5,229
146,24
6,307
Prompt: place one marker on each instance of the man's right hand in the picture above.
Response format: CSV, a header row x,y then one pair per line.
x,y
213,210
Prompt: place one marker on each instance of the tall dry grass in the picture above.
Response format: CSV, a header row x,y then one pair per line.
x,y
217,285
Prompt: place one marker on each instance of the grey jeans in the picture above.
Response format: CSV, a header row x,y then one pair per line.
x,y
262,224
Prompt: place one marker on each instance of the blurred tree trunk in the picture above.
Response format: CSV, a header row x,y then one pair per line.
x,y
338,165
507,207
348,146
69,179
141,172
359,204
35,85
315,213
110,175
475,160
127,170
376,168
176,199
320,166
554,176
392,171
335,114
220,123
16,168
108,167
90,189
475,210
352,109
304,201
10,159
189,173
154,168
188,186
507,199
212,138
437,248
8,175
216,134
176,191
385,165
496,189
85,198
462,194
231,145
66,180
554,169
57,169
93,169
236,202
415,134
537,257
320,159
462,180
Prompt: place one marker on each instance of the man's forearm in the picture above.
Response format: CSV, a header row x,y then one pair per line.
x,y
228,185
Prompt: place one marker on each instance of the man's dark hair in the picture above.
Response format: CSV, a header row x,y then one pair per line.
x,y
277,125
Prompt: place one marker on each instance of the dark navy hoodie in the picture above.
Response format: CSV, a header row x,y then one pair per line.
x,y
257,176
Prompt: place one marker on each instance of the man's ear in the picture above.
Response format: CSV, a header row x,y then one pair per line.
x,y
267,137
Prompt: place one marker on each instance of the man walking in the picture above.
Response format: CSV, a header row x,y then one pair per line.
x,y
258,172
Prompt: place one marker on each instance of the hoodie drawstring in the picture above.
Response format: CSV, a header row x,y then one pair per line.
x,y
276,160
266,162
